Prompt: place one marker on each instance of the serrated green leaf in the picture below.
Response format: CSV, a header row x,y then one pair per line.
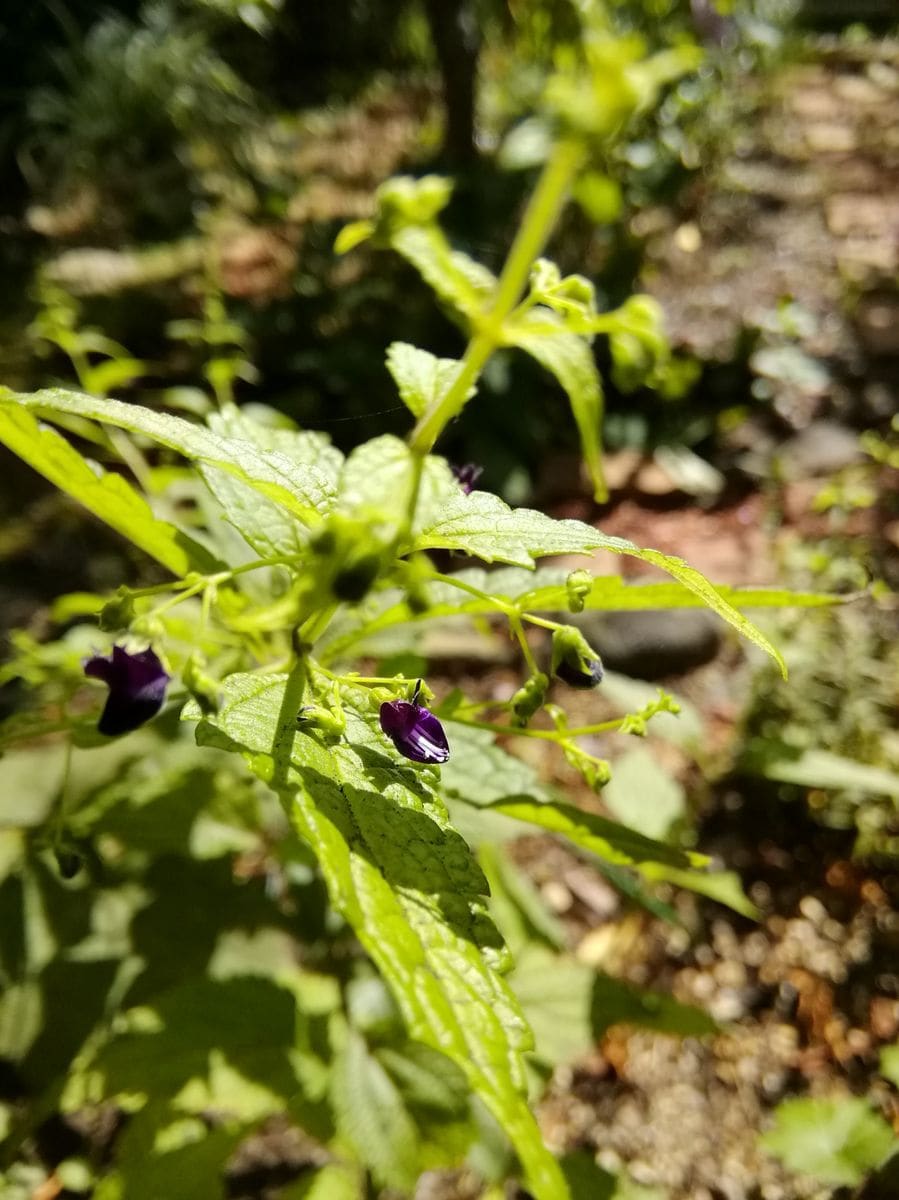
x,y
266,525
483,526
611,593
838,1140
457,279
108,496
611,841
421,378
298,488
569,358
544,590
487,528
404,881
379,473
371,1115
426,1079
480,772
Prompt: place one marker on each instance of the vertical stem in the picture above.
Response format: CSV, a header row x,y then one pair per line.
x,y
537,224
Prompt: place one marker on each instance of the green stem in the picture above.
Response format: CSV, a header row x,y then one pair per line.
x,y
496,602
518,629
538,222
543,622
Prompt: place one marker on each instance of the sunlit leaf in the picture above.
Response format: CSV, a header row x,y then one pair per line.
x,y
569,358
837,1140
599,835
421,378
108,496
301,488
404,881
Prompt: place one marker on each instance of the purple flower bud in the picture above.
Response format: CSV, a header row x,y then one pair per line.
x,y
467,476
136,683
414,731
587,674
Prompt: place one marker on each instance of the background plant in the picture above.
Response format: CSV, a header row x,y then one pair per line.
x,y
354,977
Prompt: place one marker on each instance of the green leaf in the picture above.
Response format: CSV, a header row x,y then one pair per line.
x,y
611,841
265,524
222,1044
421,378
641,793
180,1159
555,993
427,1080
108,496
614,1002
822,769
480,772
613,594
302,489
724,886
569,358
889,1064
334,1181
404,881
544,590
837,1140
371,1115
458,280
484,526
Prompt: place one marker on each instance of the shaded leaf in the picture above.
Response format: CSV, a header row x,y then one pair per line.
x,y
614,1002
371,1115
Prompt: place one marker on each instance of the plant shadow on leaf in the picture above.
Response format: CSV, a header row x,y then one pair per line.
x,y
251,1021
174,935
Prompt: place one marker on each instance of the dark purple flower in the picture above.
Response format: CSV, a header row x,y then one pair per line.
x,y
467,476
587,673
136,683
414,731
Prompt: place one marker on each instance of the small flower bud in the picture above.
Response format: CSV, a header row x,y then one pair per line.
x,y
467,476
201,685
574,660
117,613
354,578
578,585
529,698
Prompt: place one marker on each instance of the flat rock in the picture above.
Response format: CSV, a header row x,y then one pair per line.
x,y
653,644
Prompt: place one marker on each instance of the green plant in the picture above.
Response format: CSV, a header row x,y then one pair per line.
x,y
288,920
